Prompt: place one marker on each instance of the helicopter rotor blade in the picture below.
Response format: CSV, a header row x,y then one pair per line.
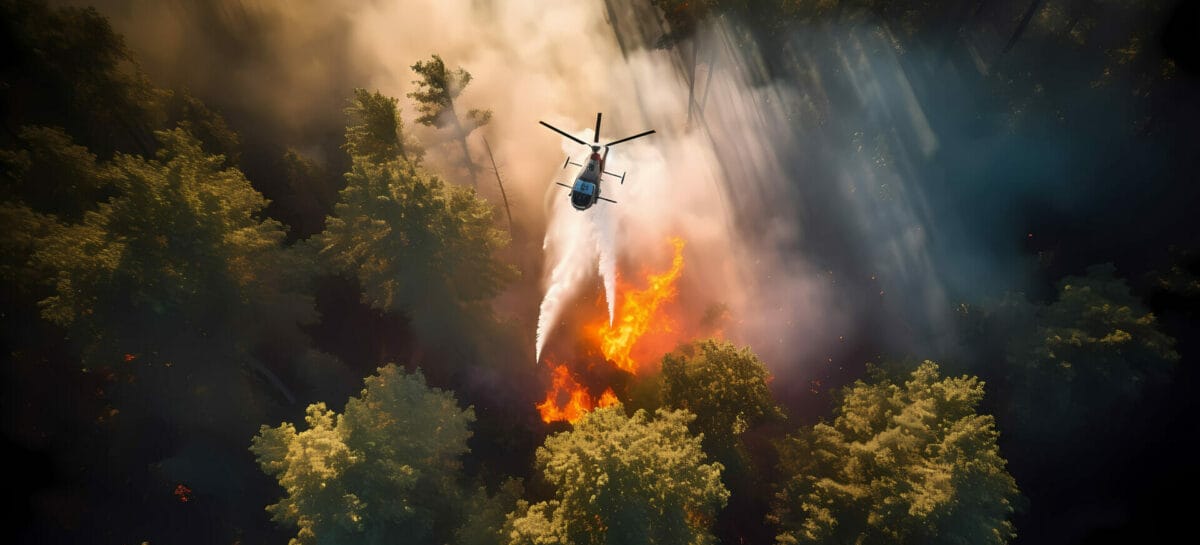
x,y
596,135
560,131
628,138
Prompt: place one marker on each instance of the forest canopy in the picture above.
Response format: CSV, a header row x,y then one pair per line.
x,y
195,295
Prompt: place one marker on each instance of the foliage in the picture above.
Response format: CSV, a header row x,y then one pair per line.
x,y
22,228
53,175
909,462
414,243
179,252
725,387
1094,346
486,514
435,95
437,90
376,131
621,479
383,471
309,195
66,67
187,112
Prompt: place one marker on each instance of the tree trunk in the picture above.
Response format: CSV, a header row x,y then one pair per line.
x,y
1034,7
462,142
273,379
692,79
503,195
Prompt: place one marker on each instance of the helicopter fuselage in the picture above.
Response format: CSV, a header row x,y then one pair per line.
x,y
586,189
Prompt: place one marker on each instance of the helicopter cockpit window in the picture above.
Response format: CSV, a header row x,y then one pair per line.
x,y
585,187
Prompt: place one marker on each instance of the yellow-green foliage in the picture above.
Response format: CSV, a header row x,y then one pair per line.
x,y
375,130
725,387
22,228
416,244
52,174
909,462
180,251
623,479
436,91
1098,333
382,472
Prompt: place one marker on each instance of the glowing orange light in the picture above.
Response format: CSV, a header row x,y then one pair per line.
x,y
638,312
568,400
607,399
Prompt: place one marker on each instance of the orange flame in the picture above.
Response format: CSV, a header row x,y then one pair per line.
x,y
638,312
568,400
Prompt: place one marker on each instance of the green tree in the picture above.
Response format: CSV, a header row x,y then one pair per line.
x,y
183,110
53,175
486,514
176,275
726,388
310,193
1095,346
622,479
65,66
910,462
437,90
376,130
416,245
384,471
23,228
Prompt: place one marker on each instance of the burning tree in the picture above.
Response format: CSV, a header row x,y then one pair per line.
x,y
641,321
639,313
569,400
622,479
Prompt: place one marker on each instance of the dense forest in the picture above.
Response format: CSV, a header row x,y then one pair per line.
x,y
259,290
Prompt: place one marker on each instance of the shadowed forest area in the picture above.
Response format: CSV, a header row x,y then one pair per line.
x,y
230,317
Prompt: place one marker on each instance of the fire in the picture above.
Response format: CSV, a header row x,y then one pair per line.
x,y
638,312
568,400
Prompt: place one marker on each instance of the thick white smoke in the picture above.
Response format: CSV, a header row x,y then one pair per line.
x,y
561,63
753,184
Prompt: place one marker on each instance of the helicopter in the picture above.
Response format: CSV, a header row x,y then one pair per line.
x,y
586,190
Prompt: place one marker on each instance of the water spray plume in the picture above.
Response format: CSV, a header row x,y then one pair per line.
x,y
639,312
606,250
575,243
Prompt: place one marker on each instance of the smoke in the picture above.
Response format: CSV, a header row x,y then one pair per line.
x,y
795,190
